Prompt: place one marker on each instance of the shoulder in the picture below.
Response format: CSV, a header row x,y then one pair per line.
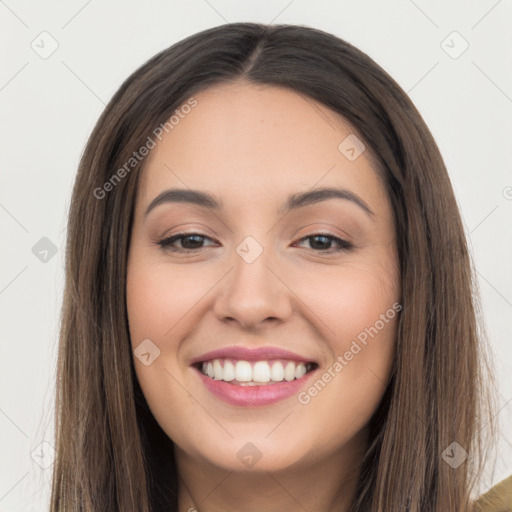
x,y
496,499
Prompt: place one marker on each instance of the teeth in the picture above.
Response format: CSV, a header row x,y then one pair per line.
x,y
228,371
261,372
300,371
217,370
245,373
289,371
277,372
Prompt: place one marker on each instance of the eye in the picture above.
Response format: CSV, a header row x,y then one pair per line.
x,y
321,243
190,242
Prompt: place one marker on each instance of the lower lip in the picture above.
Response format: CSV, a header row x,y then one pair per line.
x,y
248,396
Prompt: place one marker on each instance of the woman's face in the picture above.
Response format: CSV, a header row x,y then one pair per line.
x,y
260,289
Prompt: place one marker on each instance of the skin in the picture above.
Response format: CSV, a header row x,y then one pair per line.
x,y
251,146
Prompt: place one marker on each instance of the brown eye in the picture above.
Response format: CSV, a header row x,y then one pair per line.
x,y
321,242
190,242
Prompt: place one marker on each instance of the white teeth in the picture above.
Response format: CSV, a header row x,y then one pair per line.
x,y
245,373
217,370
289,371
277,372
300,370
261,372
229,371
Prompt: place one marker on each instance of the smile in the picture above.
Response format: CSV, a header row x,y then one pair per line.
x,y
254,373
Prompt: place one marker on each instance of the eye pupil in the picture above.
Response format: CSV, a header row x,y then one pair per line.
x,y
323,245
198,241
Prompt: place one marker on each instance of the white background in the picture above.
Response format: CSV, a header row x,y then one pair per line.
x,y
48,108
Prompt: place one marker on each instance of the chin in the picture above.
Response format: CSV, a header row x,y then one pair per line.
x,y
251,453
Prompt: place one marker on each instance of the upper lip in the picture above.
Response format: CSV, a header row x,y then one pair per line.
x,y
250,354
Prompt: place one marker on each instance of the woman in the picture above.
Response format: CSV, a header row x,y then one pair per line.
x,y
269,299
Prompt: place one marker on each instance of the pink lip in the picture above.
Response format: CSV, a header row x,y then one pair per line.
x,y
247,396
248,354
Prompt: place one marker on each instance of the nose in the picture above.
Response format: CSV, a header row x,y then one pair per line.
x,y
253,294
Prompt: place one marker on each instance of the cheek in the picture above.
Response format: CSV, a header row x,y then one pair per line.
x,y
159,299
358,305
147,298
350,386
160,302
346,300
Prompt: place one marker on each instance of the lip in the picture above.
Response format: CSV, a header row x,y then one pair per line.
x,y
251,354
251,396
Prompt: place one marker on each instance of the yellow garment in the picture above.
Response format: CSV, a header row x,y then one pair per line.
x,y
497,499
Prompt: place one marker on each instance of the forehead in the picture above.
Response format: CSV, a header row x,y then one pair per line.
x,y
252,142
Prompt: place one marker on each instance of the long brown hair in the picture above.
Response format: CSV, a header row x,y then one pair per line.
x,y
111,453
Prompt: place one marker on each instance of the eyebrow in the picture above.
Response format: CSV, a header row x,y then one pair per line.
x,y
293,202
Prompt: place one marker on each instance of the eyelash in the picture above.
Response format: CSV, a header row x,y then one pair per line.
x,y
165,244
